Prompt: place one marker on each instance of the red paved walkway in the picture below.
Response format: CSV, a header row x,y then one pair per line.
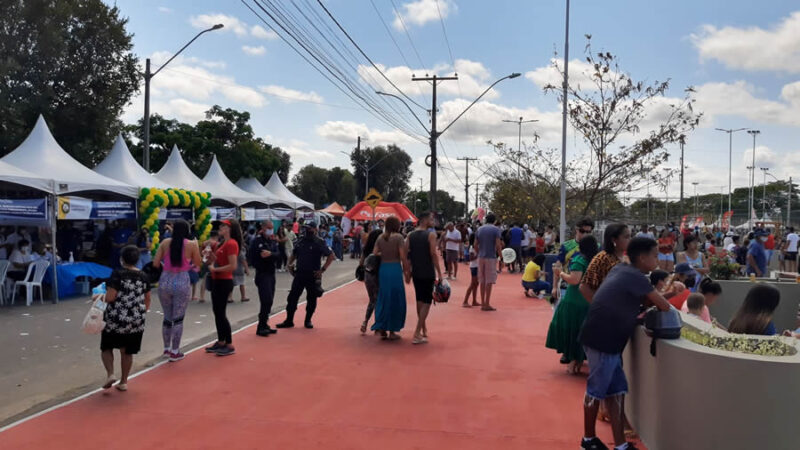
x,y
485,381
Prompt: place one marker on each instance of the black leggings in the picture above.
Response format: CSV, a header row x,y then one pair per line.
x,y
284,258
220,290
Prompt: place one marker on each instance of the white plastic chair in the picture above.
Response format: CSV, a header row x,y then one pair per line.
x,y
3,271
37,269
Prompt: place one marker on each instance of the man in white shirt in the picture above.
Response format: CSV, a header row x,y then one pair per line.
x,y
791,250
20,259
525,243
452,241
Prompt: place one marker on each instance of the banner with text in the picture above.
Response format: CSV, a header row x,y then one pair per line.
x,y
78,208
31,211
176,213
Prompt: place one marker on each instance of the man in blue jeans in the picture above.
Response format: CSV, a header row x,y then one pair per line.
x,y
515,235
608,326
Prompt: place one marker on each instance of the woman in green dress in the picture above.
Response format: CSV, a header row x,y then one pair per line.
x,y
572,309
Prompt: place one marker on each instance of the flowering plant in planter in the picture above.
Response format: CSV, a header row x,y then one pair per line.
x,y
722,267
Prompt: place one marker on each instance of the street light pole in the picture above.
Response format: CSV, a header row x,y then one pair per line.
x,y
562,227
695,183
149,76
750,211
519,136
730,159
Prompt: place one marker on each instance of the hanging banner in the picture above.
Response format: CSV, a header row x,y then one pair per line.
x,y
683,222
251,214
78,208
726,219
176,213
222,213
28,210
698,222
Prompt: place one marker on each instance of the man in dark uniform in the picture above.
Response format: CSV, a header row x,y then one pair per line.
x,y
308,252
264,254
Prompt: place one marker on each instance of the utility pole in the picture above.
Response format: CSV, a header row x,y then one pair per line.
x,y
562,216
476,194
434,135
466,184
682,166
764,193
754,133
519,137
695,183
789,205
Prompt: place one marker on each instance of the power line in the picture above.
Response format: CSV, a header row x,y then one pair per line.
x,y
444,31
365,55
408,35
389,32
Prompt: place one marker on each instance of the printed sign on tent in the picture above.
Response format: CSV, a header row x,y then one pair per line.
x,y
251,214
186,214
222,213
16,210
78,208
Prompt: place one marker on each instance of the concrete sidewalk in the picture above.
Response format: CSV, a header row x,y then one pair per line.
x,y
46,358
485,381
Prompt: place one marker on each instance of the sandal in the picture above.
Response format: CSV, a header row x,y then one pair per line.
x,y
465,305
122,387
488,308
109,382
245,300
364,328
194,299
394,337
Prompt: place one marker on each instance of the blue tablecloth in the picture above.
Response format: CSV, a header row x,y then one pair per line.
x,y
67,273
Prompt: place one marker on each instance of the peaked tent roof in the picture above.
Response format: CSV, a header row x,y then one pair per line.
x,y
275,185
253,186
120,165
177,173
40,153
16,175
224,187
334,209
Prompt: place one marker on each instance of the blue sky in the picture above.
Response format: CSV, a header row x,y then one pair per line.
x,y
744,60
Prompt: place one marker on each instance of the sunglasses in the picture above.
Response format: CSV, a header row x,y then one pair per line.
x,y
584,231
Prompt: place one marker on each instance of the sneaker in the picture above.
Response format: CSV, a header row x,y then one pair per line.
x,y
263,332
308,324
594,444
226,350
213,348
122,387
285,324
166,354
176,356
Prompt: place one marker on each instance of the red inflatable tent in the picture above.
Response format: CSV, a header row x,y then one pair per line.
x,y
363,212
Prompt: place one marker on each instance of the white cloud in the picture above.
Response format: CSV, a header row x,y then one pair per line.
x,y
231,23
290,95
473,79
164,9
739,99
159,58
580,74
753,48
420,12
484,121
257,31
347,132
254,51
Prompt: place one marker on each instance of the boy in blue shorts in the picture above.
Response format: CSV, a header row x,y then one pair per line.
x,y
608,326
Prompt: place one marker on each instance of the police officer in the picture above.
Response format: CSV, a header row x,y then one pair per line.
x,y
264,254
308,252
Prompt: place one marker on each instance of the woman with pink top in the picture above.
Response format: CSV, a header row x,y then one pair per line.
x,y
178,254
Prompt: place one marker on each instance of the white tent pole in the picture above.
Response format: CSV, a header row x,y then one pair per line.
x,y
53,230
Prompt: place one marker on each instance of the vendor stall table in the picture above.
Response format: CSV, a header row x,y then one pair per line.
x,y
69,272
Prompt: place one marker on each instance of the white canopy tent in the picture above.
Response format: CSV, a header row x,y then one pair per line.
x,y
252,186
224,188
120,165
61,174
175,172
16,175
286,196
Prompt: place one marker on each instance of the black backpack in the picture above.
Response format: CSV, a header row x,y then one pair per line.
x,y
662,325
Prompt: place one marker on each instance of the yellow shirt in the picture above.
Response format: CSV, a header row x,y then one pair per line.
x,y
531,272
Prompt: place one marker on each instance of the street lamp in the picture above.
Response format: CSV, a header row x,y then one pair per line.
x,y
750,211
562,227
433,134
730,158
519,137
147,77
695,183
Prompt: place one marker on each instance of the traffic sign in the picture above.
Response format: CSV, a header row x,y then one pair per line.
x,y
373,198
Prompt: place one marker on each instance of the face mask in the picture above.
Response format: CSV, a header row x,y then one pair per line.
x,y
269,232
26,249
763,239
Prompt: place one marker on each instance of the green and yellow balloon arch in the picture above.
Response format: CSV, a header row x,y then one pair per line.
x,y
151,200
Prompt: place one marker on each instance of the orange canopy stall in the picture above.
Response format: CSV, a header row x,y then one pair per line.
x,y
334,209
363,212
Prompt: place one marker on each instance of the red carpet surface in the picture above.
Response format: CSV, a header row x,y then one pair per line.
x,y
484,381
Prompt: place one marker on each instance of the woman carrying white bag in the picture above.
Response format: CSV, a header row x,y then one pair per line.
x,y
127,299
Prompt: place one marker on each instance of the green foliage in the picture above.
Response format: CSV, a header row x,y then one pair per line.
x,y
721,267
71,61
324,186
450,208
225,133
389,174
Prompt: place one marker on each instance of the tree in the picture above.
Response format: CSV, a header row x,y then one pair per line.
x,y
309,183
448,206
71,61
390,171
341,187
225,133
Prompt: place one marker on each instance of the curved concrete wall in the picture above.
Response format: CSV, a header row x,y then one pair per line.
x,y
694,397
733,293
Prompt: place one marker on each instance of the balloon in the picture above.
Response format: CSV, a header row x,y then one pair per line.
x,y
156,210
144,204
144,192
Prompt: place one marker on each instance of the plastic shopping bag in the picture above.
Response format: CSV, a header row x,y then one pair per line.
x,y
93,323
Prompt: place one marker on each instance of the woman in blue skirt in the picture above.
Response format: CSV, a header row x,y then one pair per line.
x,y
390,311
